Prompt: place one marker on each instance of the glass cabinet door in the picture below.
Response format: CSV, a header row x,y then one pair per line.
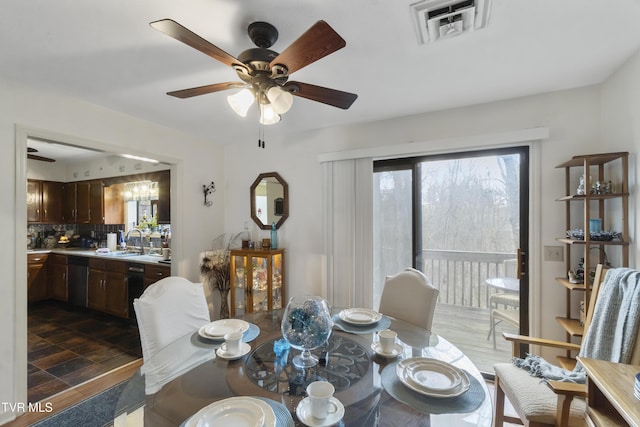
x,y
257,280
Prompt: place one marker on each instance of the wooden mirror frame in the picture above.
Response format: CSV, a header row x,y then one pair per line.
x,y
284,204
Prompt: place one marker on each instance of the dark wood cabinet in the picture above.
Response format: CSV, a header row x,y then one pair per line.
x,y
83,202
58,277
96,202
34,201
153,273
36,276
44,201
164,197
69,192
107,288
114,204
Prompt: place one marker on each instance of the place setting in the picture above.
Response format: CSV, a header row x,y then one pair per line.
x,y
360,321
432,385
386,344
242,411
320,408
214,332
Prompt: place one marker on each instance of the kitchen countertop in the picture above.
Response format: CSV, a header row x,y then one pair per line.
x,y
129,257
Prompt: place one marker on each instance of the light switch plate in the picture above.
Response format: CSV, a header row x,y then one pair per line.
x,y
553,253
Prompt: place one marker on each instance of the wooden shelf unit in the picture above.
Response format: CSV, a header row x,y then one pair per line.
x,y
592,206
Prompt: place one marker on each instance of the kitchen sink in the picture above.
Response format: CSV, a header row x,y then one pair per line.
x,y
121,254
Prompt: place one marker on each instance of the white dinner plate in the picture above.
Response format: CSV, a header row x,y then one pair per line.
x,y
359,316
303,411
218,329
268,416
432,377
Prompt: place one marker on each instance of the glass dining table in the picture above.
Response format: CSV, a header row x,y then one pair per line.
x,y
186,376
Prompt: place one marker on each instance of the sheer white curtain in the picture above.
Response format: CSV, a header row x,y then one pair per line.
x,y
348,231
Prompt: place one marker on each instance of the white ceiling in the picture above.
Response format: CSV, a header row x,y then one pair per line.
x,y
104,52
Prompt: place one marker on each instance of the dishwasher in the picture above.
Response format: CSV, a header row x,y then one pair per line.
x,y
78,280
135,285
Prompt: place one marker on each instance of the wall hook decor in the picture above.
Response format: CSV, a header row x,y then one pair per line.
x,y
207,190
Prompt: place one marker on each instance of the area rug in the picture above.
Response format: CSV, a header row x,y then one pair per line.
x,y
96,411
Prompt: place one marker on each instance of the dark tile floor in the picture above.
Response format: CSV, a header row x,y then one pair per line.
x,y
69,345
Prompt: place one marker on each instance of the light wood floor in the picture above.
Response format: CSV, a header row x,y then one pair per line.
x,y
78,393
467,329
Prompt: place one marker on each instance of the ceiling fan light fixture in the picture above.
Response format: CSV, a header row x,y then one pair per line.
x,y
280,100
268,116
241,102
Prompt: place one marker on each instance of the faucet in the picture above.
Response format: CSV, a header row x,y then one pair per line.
x,y
141,250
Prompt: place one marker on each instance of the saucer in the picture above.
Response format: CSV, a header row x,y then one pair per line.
x,y
397,350
244,349
303,411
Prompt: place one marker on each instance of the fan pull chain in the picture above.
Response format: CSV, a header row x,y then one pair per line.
x,y
260,133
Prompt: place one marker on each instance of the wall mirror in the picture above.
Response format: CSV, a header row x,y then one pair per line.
x,y
269,200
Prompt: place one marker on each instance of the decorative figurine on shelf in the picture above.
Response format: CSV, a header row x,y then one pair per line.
x,y
581,191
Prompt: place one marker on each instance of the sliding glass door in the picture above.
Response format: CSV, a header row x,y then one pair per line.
x,y
462,220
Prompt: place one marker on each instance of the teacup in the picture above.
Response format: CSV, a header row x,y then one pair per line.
x,y
387,340
320,393
231,344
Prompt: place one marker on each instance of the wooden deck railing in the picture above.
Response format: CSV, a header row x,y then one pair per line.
x,y
461,276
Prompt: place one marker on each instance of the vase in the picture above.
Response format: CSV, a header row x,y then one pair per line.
x,y
306,325
224,303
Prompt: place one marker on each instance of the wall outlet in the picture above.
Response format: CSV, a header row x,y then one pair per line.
x,y
553,253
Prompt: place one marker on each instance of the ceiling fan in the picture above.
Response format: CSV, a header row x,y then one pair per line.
x,y
264,73
32,156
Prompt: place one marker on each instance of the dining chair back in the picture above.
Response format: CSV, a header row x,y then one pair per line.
x,y
409,296
168,310
556,403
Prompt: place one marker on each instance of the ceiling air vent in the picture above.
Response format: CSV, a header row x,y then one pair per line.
x,y
439,19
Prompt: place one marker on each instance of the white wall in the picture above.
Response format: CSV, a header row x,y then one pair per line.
x,y
573,118
621,132
196,162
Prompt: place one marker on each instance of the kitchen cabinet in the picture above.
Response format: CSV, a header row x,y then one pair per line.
x,y
36,276
69,193
257,280
153,273
34,201
592,197
44,201
83,202
164,196
107,287
114,204
59,276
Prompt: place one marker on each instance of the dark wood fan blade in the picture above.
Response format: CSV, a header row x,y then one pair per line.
x,y
336,98
317,42
42,159
178,32
203,90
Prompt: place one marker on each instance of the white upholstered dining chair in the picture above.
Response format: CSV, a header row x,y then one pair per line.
x,y
167,310
409,296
